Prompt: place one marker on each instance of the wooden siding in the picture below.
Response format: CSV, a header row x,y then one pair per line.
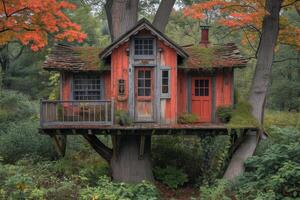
x,y
107,85
224,82
168,57
119,70
66,86
181,92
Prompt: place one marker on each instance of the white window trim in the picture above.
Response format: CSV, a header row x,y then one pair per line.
x,y
165,95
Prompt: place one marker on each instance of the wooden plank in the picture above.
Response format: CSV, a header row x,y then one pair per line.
x,y
60,142
142,147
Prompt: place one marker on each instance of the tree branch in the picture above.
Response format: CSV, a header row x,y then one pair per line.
x,y
162,15
289,4
99,147
285,59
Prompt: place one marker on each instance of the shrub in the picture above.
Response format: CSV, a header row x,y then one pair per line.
x,y
22,139
217,191
107,189
224,113
202,160
15,106
122,118
276,171
170,176
187,118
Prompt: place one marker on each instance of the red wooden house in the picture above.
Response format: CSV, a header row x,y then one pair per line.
x,y
144,73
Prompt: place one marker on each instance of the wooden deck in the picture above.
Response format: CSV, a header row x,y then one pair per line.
x,y
138,129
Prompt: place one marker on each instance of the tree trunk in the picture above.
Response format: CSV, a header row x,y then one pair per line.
x,y
162,15
265,56
128,164
122,15
260,83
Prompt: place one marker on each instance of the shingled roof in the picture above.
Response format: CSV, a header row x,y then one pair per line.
x,y
213,56
70,58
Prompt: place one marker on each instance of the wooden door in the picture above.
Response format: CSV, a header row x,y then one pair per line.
x,y
202,98
144,94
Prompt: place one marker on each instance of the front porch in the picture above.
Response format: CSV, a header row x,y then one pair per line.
x,y
97,118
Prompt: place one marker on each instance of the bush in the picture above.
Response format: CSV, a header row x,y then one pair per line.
x,y
224,113
122,118
119,191
15,106
202,160
187,118
217,191
170,176
274,173
21,139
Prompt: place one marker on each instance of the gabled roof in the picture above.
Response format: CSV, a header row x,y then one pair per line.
x,y
213,56
142,24
70,58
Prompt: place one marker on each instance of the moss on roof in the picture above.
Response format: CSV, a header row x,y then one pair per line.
x,y
69,58
213,56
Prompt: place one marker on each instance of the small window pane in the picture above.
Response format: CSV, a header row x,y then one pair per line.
x,y
147,92
141,92
196,92
165,89
141,74
165,81
206,92
201,92
147,83
141,83
143,46
148,74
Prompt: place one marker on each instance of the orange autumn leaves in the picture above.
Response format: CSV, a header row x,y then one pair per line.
x,y
31,22
245,15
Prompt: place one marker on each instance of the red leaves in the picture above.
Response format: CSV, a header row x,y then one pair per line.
x,y
31,21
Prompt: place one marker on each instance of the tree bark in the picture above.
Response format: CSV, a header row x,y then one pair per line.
x,y
122,15
265,57
162,15
127,165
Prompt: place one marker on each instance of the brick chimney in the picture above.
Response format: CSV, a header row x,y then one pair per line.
x,y
204,35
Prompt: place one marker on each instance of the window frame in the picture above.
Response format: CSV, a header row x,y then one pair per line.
x,y
144,56
165,95
95,77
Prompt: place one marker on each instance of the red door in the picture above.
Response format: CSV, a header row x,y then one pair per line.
x,y
202,98
144,94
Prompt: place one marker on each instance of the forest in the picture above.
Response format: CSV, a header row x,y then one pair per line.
x,y
184,167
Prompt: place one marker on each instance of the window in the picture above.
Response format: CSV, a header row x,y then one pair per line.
x,y
143,46
121,86
165,82
144,82
201,87
87,87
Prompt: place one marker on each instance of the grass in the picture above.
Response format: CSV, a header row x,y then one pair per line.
x,y
281,119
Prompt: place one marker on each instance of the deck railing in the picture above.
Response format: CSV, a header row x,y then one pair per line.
x,y
99,112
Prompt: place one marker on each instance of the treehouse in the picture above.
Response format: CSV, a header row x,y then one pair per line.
x,y
145,75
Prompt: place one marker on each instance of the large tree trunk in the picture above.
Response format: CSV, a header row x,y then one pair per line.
x,y
162,15
131,161
260,82
121,15
127,162
265,56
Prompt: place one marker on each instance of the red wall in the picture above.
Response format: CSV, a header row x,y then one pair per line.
x,y
66,86
224,81
181,92
119,70
168,57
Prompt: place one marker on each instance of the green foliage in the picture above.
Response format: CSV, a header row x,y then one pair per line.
x,y
21,139
274,173
15,106
242,117
281,119
187,118
119,191
202,160
171,176
224,113
122,118
217,191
